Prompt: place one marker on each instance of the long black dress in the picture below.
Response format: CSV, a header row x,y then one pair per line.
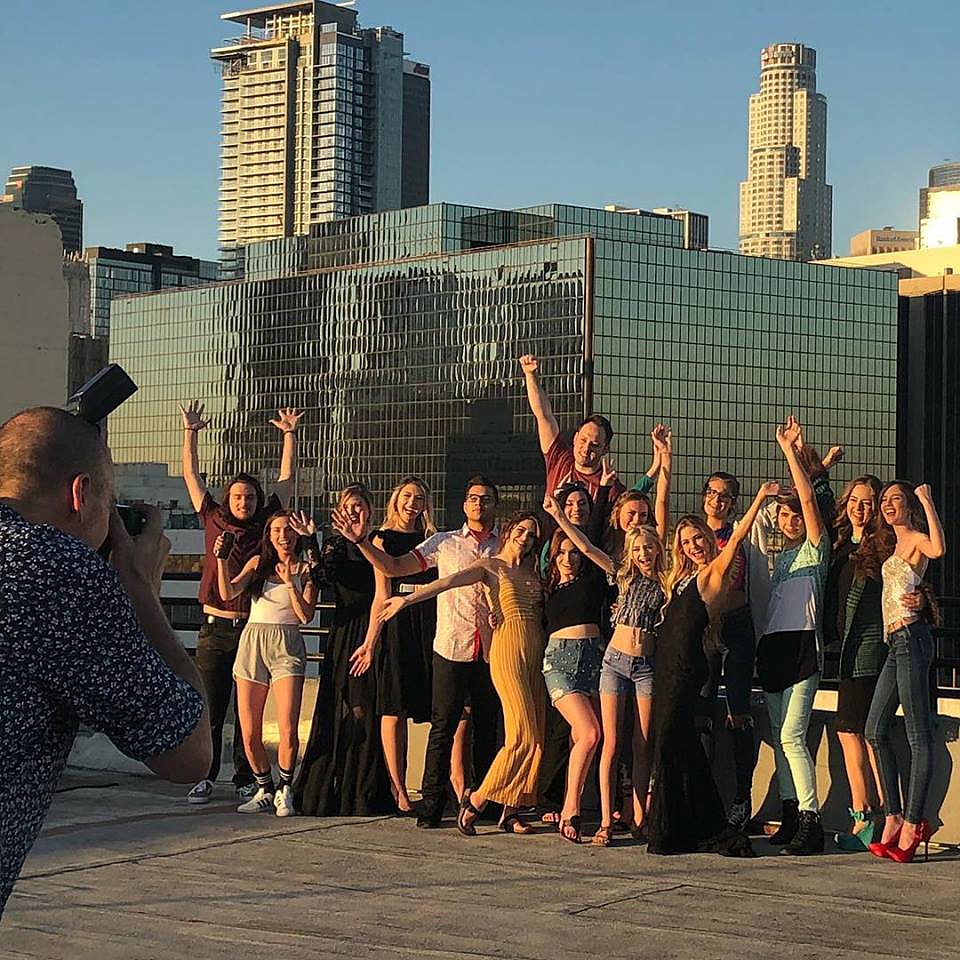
x,y
686,814
404,658
343,771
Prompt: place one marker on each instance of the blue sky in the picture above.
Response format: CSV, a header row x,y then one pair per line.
x,y
601,101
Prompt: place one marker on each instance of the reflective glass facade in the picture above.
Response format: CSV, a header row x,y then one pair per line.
x,y
406,359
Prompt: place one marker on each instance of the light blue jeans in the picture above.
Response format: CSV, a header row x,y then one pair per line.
x,y
790,712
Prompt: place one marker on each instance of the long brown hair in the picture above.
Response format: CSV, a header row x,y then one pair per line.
x,y
552,577
516,520
269,558
873,547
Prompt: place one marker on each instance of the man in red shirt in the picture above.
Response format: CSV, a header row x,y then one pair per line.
x,y
576,460
243,514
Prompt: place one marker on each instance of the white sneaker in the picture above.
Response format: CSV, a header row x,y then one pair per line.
x,y
260,802
200,792
283,801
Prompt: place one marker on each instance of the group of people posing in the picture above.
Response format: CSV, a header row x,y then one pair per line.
x,y
626,621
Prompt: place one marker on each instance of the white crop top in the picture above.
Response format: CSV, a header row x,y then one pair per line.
x,y
273,605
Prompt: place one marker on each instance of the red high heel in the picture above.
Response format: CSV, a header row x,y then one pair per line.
x,y
923,835
882,850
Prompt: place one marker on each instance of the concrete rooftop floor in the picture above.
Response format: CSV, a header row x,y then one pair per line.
x,y
131,871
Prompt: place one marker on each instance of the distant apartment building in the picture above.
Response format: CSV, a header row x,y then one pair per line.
x,y
51,191
138,268
907,264
321,119
939,215
696,226
885,240
786,204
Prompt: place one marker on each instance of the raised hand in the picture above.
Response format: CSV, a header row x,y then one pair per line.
x,y
769,489
361,660
662,438
390,609
529,364
302,524
790,432
350,526
834,455
924,494
608,475
287,419
285,572
192,416
551,507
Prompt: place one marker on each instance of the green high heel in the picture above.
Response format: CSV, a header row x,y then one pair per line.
x,y
857,842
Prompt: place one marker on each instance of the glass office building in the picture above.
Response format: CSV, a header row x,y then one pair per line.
x,y
399,334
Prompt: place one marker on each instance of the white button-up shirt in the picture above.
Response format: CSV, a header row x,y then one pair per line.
x,y
463,614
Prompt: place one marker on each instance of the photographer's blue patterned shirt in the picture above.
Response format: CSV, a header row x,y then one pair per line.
x,y
71,651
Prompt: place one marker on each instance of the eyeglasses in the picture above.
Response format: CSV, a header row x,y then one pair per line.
x,y
481,500
721,495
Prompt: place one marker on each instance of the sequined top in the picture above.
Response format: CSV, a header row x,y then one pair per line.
x,y
640,605
520,596
899,578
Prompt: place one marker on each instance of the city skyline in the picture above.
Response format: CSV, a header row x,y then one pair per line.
x,y
514,138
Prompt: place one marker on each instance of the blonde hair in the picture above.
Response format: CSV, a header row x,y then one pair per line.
x,y
357,490
425,521
682,566
628,570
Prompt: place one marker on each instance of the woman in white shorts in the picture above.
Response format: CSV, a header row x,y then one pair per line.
x,y
271,653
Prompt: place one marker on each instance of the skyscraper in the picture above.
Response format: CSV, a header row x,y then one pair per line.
x,y
939,217
786,204
320,120
51,191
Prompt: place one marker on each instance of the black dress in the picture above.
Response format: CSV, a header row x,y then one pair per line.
x,y
404,659
686,814
343,771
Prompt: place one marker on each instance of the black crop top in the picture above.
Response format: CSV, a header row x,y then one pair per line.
x,y
579,601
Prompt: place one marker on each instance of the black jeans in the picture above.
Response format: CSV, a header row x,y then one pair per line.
x,y
452,682
216,651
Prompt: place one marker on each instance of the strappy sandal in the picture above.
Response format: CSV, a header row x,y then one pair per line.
x,y
602,837
550,816
467,829
514,823
573,823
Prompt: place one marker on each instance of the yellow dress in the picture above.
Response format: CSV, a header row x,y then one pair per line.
x,y
516,662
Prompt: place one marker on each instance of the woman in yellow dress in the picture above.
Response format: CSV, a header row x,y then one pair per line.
x,y
516,660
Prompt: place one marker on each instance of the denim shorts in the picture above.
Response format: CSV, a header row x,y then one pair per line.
x,y
571,666
623,674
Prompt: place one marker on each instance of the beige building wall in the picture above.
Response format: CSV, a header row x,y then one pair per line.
x,y
885,240
34,326
933,262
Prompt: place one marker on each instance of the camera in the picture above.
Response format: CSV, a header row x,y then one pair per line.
x,y
133,520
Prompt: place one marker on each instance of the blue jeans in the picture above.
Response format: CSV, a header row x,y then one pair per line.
x,y
905,678
790,712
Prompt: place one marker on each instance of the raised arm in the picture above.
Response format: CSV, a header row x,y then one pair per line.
x,y
663,445
476,572
718,568
303,597
354,529
934,545
547,427
193,423
286,423
787,434
577,537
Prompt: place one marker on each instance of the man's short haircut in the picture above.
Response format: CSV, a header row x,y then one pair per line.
x,y
481,481
728,478
43,448
599,421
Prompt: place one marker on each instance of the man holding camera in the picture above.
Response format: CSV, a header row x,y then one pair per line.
x,y
81,640
240,518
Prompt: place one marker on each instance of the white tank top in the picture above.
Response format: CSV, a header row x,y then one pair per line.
x,y
273,605
899,578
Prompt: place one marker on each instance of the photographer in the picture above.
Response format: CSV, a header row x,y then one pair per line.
x,y
242,516
80,640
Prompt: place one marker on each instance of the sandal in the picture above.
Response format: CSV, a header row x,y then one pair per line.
x,y
514,823
550,816
573,823
639,834
602,837
467,829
